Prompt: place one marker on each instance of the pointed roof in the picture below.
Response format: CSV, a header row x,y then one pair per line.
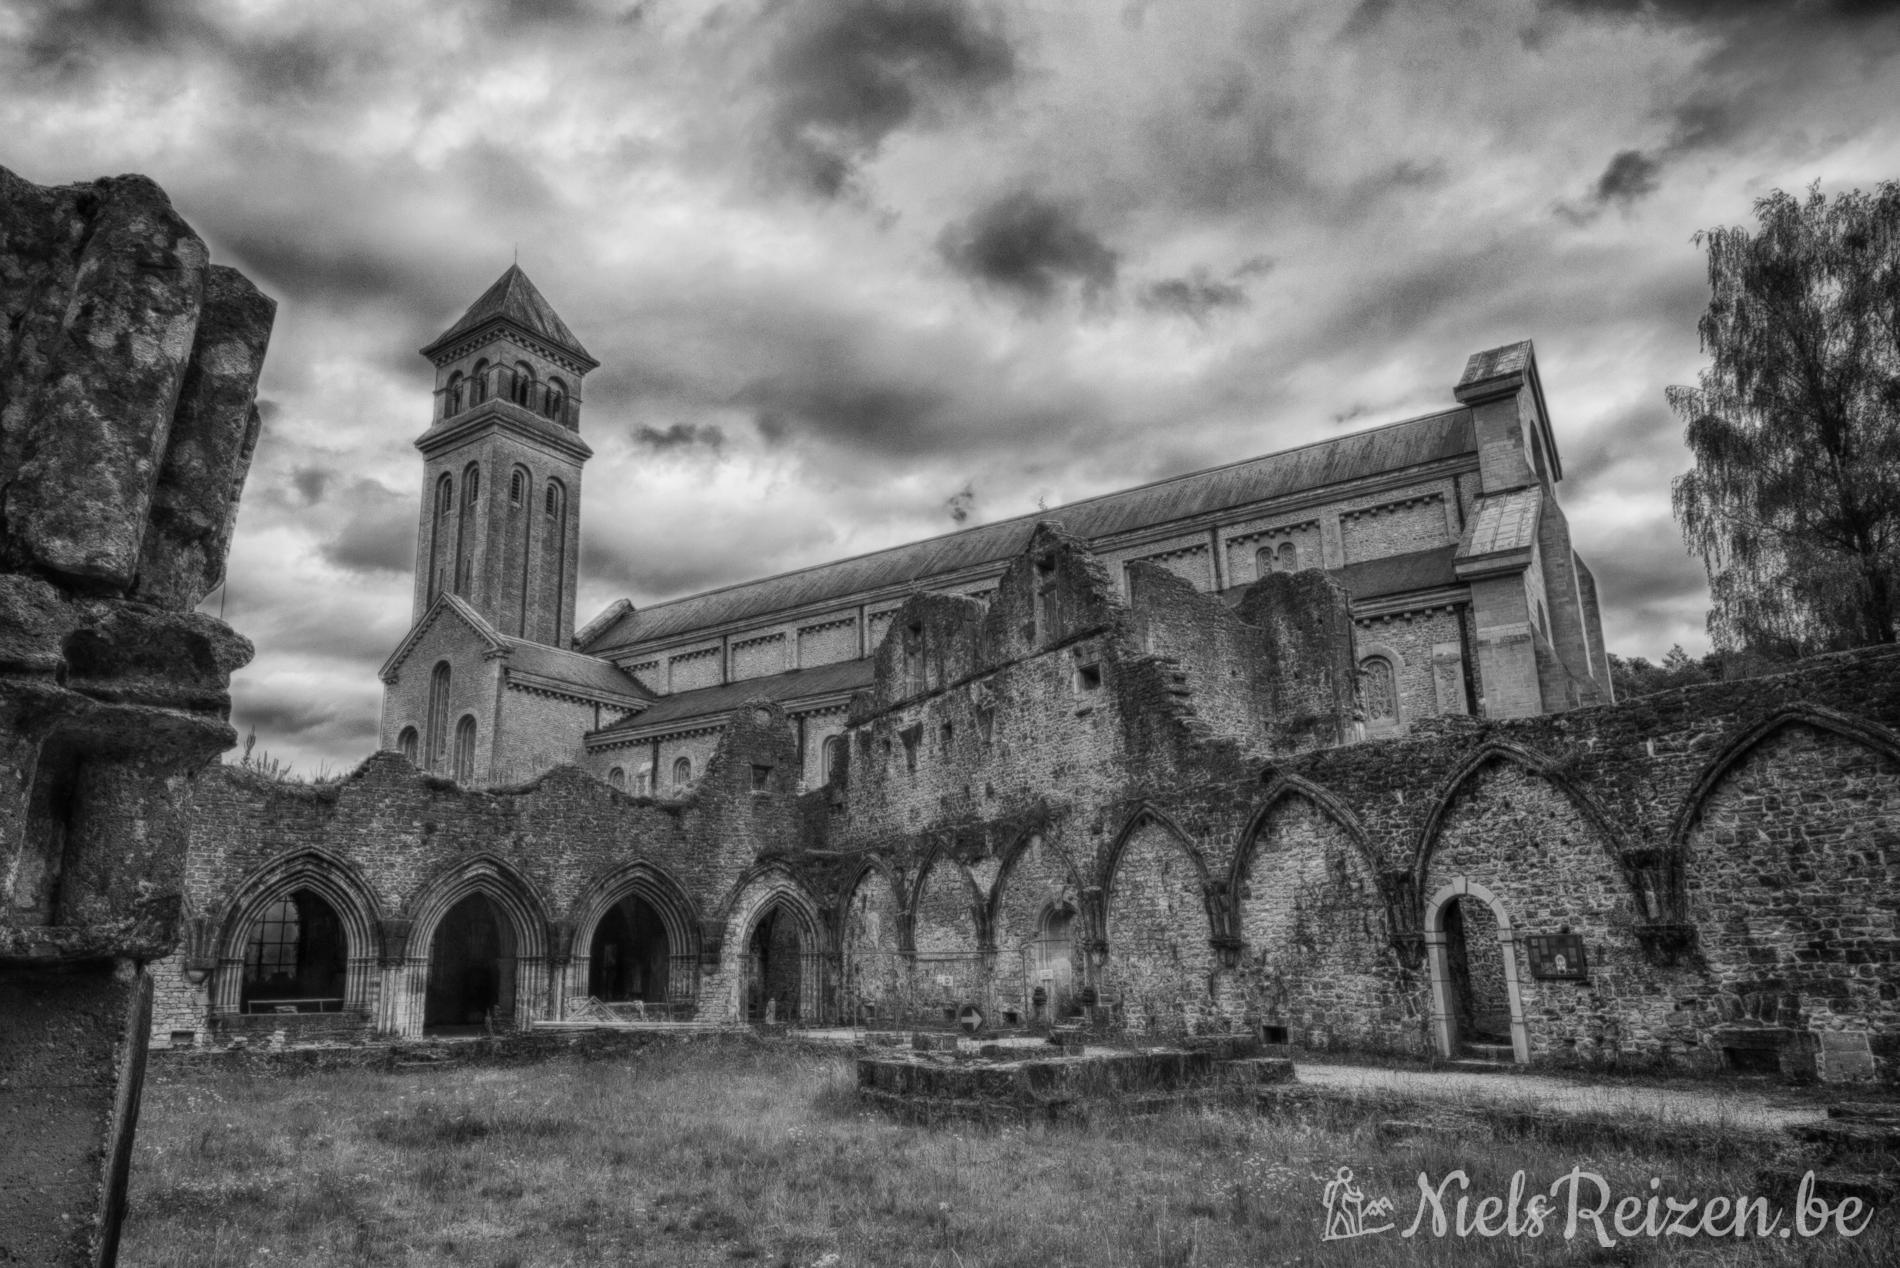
x,y
513,298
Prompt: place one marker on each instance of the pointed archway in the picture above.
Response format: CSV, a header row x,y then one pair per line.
x,y
1472,957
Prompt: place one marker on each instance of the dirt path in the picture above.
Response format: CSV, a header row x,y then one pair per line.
x,y
1715,1107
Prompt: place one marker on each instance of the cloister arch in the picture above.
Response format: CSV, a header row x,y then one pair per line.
x,y
520,961
1158,927
674,916
774,942
1738,746
330,878
1038,922
873,950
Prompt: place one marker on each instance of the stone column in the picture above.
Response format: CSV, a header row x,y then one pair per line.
x,y
128,366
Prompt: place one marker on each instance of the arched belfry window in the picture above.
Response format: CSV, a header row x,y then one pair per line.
x,y
465,749
524,383
1378,692
452,403
682,774
480,389
444,495
557,400
438,738
553,498
407,743
517,487
471,484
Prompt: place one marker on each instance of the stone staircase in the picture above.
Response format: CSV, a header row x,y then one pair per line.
x,y
1855,1152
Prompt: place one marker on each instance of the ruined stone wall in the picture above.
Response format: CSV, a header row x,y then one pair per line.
x,y
128,367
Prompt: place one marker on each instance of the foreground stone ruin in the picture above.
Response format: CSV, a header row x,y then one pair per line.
x,y
943,1078
128,367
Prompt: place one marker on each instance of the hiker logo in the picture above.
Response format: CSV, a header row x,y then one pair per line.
x,y
1347,1209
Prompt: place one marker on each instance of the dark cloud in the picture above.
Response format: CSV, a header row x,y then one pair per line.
x,y
1030,246
1630,175
1725,12
681,436
960,503
377,533
1196,296
69,35
851,405
846,75
1365,18
310,482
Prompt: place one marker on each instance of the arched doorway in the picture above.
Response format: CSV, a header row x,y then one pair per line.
x,y
629,959
775,966
471,969
1052,992
295,958
1477,1009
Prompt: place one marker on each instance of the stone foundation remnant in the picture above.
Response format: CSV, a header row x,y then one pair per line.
x,y
128,370
1005,1084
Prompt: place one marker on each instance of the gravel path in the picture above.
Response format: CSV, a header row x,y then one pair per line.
x,y
1715,1107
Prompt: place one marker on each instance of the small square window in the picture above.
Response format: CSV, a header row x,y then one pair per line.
x,y
761,778
1088,678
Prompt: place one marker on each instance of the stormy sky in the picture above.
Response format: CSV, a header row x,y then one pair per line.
x,y
861,271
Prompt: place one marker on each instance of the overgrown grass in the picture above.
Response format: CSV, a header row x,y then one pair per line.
x,y
736,1152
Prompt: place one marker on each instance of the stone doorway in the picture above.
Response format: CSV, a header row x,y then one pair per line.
x,y
1477,1009
1052,966
630,958
471,970
775,968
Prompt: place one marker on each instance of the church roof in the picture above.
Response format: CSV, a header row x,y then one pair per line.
x,y
793,684
1410,442
513,298
589,674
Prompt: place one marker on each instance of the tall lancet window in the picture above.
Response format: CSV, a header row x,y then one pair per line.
x,y
1378,694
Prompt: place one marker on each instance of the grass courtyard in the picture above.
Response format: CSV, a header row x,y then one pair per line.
x,y
733,1151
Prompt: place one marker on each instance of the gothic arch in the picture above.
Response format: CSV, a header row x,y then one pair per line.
x,y
979,906
1006,872
679,917
1281,787
1144,814
763,890
1533,763
867,868
1737,748
756,888
332,879
519,903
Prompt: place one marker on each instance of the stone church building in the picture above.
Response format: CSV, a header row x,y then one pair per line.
x,y
1320,743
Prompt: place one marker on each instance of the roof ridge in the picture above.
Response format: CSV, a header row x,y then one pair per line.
x,y
513,297
1051,512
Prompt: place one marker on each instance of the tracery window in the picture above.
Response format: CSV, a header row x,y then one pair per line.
x,y
1289,557
1378,693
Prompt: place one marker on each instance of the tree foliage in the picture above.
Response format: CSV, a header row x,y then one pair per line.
x,y
1794,500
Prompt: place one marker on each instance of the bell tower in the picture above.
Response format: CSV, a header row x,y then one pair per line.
x,y
501,476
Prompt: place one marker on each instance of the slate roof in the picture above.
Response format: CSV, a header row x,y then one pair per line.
x,y
1503,522
793,684
516,299
1395,446
589,674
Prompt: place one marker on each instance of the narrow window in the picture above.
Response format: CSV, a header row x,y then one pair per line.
x,y
1263,561
553,499
406,743
617,778
1377,694
452,403
986,724
834,759
481,382
911,736
1289,557
914,658
471,485
682,774
642,783
557,400
438,711
517,488
524,383
465,750
1048,603
444,495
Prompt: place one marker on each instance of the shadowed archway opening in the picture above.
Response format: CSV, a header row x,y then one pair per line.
x,y
1051,964
629,959
296,958
775,966
1474,961
471,969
